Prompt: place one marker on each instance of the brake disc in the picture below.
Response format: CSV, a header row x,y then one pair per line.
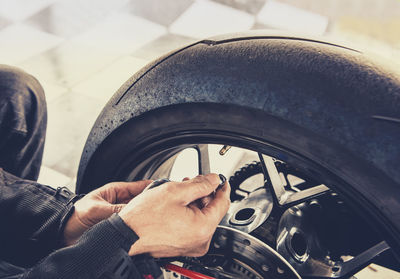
x,y
234,254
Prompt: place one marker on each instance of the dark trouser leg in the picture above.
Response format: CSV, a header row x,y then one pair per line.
x,y
23,118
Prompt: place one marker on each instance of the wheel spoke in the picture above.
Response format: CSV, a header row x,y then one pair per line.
x,y
285,198
346,269
362,260
271,175
299,197
245,191
203,158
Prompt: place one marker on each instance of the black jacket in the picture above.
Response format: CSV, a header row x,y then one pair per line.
x,y
32,219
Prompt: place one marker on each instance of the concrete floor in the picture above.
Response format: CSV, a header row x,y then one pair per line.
x,y
83,50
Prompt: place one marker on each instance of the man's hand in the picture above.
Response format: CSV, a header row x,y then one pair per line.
x,y
99,205
170,223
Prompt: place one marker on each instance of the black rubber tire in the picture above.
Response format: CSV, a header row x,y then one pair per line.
x,y
323,102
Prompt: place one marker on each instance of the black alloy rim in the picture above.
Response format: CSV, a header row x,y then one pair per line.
x,y
155,152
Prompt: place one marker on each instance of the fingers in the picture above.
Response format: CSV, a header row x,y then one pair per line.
x,y
125,191
116,208
200,203
217,207
198,187
104,210
206,200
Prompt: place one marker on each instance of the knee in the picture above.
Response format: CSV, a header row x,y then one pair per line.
x,y
19,86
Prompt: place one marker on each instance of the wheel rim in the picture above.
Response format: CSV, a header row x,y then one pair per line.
x,y
158,156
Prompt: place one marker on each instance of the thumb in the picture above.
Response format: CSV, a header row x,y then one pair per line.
x,y
198,187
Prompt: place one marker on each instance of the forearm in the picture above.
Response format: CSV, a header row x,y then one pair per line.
x,y
96,253
101,252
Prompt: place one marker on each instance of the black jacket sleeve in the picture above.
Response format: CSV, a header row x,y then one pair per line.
x,y
32,217
101,252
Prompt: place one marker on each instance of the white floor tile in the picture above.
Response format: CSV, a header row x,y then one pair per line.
x,y
19,42
70,119
287,17
18,10
3,22
121,34
69,63
163,12
250,6
52,90
205,18
69,18
162,46
90,52
105,83
53,178
68,165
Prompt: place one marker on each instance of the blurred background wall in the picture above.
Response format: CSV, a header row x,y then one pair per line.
x,y
83,50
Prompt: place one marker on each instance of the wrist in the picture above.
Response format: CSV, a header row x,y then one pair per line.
x,y
73,229
137,247
64,195
70,227
126,231
128,220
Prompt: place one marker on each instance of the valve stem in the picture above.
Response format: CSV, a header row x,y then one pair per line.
x,y
224,149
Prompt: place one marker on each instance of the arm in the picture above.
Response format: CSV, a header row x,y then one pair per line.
x,y
39,219
32,217
153,215
96,253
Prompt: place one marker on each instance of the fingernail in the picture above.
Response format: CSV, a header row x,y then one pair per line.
x,y
223,180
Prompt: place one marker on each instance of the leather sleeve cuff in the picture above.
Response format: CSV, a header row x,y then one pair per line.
x,y
68,198
123,228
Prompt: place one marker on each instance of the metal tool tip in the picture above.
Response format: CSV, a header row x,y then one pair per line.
x,y
223,179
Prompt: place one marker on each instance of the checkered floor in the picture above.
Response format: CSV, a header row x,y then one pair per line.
x,y
83,50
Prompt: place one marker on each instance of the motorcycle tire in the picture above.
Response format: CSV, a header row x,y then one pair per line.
x,y
300,100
